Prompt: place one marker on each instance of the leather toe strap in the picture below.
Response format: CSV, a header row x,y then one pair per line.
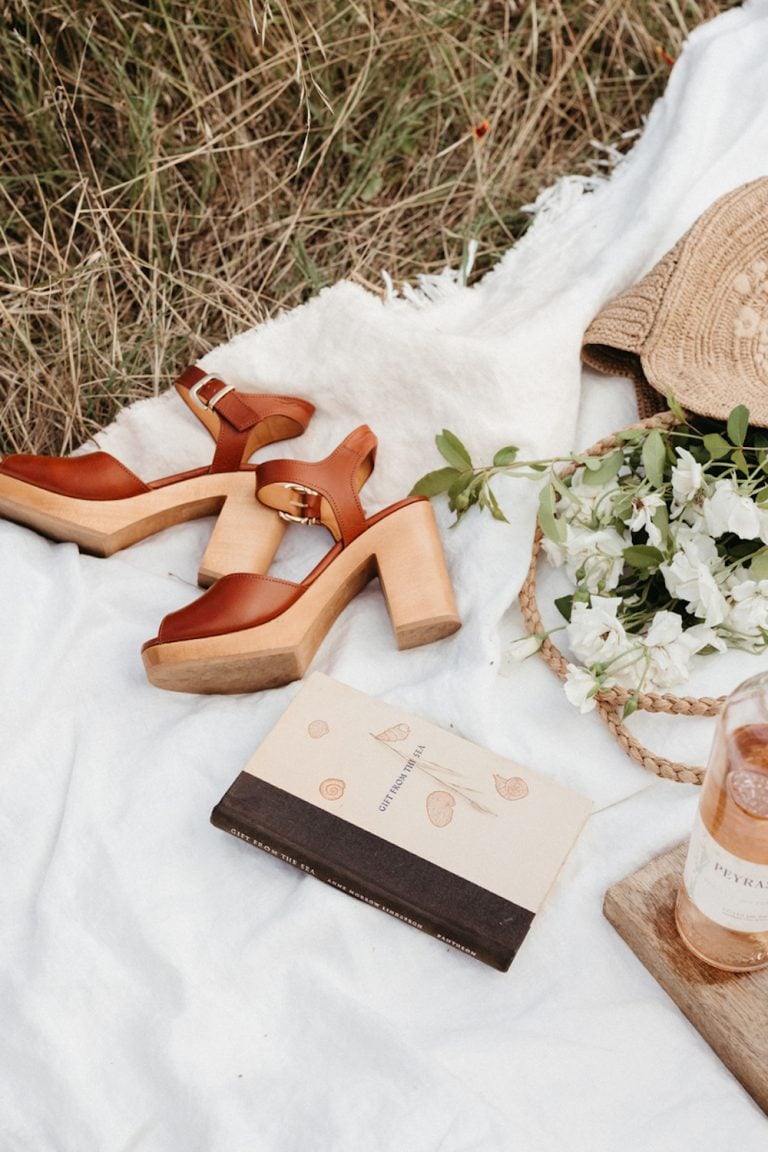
x,y
95,476
237,601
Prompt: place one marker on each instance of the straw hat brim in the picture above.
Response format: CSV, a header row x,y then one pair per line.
x,y
696,326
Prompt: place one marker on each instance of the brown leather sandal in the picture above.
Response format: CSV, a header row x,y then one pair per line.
x,y
252,631
94,501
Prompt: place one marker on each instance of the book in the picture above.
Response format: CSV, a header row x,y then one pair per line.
x,y
408,817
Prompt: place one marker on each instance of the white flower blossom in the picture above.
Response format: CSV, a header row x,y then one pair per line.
x,y
727,509
687,480
524,647
666,627
580,688
692,538
556,553
691,580
595,633
667,651
749,612
669,648
690,576
599,555
700,636
590,503
644,507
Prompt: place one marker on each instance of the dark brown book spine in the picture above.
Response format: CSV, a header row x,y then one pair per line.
x,y
359,864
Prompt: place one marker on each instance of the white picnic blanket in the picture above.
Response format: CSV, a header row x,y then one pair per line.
x,y
164,987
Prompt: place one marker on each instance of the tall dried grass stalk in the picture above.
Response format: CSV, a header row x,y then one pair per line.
x,y
172,172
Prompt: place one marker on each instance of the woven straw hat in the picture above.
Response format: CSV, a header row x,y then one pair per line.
x,y
696,325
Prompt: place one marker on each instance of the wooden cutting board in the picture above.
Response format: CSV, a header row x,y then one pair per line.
x,y
730,1010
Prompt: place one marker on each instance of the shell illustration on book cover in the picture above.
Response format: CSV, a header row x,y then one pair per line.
x,y
510,787
333,788
393,734
441,803
440,806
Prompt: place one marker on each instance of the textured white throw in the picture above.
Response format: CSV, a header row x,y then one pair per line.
x,y
165,988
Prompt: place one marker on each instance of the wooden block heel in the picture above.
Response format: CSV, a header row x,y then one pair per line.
x,y
415,580
251,631
94,501
245,537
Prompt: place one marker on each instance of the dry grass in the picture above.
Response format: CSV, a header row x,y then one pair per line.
x,y
173,172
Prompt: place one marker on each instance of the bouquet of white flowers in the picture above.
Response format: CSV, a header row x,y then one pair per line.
x,y
664,536
666,541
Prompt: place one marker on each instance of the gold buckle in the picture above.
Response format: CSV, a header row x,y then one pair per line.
x,y
301,504
210,404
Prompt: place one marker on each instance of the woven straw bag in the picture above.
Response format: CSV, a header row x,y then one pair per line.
x,y
611,702
696,319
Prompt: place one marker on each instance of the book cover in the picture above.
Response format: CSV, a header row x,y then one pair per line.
x,y
389,808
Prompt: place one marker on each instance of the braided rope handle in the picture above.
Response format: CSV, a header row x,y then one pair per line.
x,y
612,700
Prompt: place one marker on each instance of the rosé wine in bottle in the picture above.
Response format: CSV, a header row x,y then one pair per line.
x,y
722,903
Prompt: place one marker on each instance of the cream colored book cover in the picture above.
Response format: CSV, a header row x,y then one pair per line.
x,y
342,775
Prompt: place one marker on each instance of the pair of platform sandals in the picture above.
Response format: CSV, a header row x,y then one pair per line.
x,y
249,630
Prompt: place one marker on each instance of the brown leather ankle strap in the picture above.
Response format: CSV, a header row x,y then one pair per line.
x,y
240,422
325,492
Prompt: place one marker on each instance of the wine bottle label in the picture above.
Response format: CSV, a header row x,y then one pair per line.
x,y
730,891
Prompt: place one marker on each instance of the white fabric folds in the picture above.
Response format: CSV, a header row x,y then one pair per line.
x,y
165,987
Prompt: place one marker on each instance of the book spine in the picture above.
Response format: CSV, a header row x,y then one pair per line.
x,y
368,893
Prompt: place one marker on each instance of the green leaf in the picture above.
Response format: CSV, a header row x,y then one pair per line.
x,y
654,456
552,528
740,461
465,481
738,423
452,449
564,605
591,463
493,504
435,482
716,446
675,409
564,490
622,507
628,435
758,568
505,456
629,707
643,556
660,519
459,502
608,468
460,494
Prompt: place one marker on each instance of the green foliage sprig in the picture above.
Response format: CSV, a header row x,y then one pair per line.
x,y
465,484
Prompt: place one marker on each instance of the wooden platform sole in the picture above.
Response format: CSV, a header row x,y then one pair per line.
x,y
403,549
244,539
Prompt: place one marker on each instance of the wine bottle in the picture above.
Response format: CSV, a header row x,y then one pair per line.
x,y
722,904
